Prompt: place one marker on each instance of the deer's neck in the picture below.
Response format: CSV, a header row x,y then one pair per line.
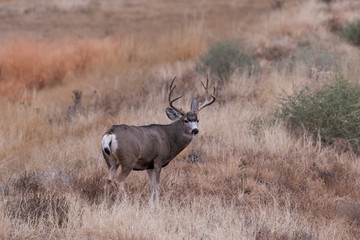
x,y
178,139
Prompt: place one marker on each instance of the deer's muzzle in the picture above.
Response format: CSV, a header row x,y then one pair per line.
x,y
195,131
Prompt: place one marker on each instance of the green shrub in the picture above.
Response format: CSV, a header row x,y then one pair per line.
x,y
351,32
331,113
308,56
224,58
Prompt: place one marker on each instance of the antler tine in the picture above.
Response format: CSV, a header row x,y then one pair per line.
x,y
179,110
213,98
172,82
207,82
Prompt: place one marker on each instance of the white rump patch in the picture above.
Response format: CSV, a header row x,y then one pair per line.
x,y
114,143
106,142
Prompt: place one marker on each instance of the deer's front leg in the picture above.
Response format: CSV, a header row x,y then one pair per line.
x,y
154,179
152,183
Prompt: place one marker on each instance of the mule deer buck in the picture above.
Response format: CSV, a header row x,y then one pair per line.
x,y
151,147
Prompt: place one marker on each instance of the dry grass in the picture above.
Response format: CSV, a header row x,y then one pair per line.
x,y
241,178
30,64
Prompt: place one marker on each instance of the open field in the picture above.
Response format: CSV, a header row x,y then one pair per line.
x,y
71,69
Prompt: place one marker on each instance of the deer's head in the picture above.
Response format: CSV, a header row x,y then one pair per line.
x,y
189,120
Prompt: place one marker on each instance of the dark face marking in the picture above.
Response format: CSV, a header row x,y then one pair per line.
x,y
191,117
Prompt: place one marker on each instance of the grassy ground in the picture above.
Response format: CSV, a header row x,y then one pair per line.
x,y
242,177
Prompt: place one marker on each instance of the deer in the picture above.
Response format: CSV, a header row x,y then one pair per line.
x,y
151,147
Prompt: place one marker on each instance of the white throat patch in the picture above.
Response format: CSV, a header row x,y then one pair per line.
x,y
194,125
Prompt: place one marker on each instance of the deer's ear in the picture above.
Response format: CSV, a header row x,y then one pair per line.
x,y
194,105
172,114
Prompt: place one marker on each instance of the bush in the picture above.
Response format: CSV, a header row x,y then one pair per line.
x,y
351,32
308,56
224,58
331,113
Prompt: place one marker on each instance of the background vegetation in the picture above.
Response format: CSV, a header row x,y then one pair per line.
x,y
351,32
331,113
71,69
224,58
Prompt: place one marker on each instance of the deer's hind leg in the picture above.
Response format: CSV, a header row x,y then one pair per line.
x,y
113,165
125,171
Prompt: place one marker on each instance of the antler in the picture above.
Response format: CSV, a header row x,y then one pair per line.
x,y
207,101
179,110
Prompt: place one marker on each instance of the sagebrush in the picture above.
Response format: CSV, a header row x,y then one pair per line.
x,y
224,58
351,32
331,113
306,57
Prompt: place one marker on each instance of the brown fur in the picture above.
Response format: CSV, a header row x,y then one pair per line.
x,y
143,147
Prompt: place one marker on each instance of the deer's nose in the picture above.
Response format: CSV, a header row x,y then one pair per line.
x,y
195,131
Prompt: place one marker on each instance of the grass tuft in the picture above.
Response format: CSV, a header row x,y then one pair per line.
x,y
30,202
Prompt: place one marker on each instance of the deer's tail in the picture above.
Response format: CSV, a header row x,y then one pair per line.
x,y
109,143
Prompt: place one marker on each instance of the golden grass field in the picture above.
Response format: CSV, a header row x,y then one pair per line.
x,y
240,178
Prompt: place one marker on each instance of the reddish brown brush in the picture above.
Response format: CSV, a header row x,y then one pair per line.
x,y
32,64
26,63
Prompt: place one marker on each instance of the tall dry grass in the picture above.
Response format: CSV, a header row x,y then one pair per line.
x,y
250,179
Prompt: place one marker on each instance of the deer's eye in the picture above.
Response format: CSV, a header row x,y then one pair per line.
x,y
197,121
186,121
